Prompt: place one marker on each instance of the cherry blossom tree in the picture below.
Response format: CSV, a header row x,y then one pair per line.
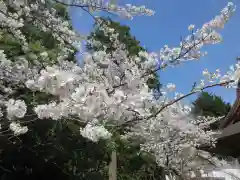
x,y
111,87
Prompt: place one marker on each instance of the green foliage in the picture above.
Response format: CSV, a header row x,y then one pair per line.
x,y
125,37
10,46
135,164
210,105
61,10
38,40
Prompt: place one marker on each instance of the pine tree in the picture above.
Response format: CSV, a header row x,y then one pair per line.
x,y
210,105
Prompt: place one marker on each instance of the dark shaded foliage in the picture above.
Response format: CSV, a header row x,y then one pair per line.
x,y
51,150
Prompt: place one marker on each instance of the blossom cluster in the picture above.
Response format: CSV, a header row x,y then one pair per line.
x,y
95,132
18,129
190,47
16,109
228,79
174,136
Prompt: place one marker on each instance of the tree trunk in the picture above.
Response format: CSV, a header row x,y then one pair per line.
x,y
113,166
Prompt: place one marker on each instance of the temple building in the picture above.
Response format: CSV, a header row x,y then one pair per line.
x,y
234,115
229,140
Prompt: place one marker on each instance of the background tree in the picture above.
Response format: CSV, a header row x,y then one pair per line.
x,y
132,44
210,105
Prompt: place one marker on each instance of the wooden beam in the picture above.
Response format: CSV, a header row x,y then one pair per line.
x,y
230,130
231,116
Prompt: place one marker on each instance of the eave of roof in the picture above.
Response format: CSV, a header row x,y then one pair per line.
x,y
231,116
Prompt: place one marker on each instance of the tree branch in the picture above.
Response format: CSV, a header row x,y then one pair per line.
x,y
189,94
175,59
178,99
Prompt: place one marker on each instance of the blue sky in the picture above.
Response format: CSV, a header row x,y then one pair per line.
x,y
167,26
